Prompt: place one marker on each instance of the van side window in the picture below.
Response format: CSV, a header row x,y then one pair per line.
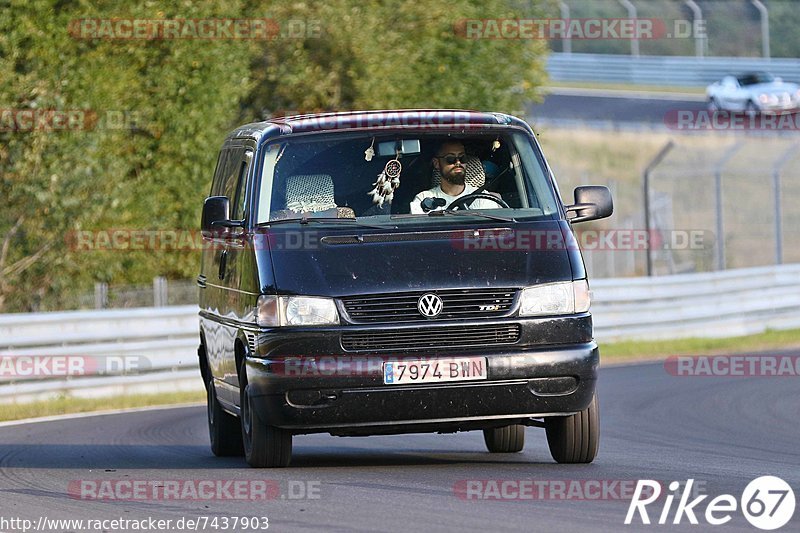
x,y
233,184
216,185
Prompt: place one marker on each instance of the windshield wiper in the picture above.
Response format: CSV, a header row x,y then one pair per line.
x,y
304,220
470,213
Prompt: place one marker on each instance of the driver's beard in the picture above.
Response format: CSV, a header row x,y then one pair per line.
x,y
454,179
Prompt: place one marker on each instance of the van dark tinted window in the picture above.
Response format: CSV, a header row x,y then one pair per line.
x,y
234,164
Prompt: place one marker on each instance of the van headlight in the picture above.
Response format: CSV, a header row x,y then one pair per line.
x,y
274,311
562,298
308,311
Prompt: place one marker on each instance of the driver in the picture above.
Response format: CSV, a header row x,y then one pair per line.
x,y
450,160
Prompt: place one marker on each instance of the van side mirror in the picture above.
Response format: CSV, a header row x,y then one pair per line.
x,y
592,202
216,216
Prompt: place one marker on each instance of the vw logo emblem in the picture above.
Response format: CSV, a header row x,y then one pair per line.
x,y
429,305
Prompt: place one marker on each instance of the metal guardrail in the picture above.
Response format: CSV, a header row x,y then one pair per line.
x,y
161,334
117,351
676,71
715,304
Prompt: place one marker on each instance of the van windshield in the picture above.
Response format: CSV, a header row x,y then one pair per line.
x,y
407,175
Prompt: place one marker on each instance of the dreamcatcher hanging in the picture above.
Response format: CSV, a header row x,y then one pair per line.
x,y
388,180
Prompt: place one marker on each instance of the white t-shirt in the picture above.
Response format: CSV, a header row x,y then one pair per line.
x,y
437,192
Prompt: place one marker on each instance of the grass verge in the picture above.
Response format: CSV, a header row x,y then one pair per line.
x,y
625,87
67,405
629,351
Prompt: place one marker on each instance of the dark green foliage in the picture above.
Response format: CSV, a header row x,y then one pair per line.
x,y
159,109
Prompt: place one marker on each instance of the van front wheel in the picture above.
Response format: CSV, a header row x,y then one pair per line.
x,y
264,446
575,438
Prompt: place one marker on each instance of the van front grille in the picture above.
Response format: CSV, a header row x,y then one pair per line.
x,y
431,338
457,303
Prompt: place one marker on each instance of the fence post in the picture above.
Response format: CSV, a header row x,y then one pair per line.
x,y
697,15
566,41
776,188
763,13
729,153
646,186
632,15
100,295
159,291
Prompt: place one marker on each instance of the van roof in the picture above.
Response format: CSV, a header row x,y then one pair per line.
x,y
380,120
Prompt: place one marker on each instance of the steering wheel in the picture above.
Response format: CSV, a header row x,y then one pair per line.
x,y
461,202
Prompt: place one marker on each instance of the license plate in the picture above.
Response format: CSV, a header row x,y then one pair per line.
x,y
434,370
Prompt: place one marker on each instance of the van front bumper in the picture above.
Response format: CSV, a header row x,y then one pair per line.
x,y
345,394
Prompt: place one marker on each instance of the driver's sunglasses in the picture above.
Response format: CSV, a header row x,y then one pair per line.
x,y
451,159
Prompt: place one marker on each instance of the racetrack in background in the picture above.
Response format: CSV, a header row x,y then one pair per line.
x,y
624,107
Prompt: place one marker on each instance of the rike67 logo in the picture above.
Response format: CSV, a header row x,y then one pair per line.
x,y
767,503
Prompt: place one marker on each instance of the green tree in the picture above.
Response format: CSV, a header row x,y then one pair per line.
x,y
178,98
377,54
784,19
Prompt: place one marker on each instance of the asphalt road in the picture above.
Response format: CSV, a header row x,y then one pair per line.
x,y
619,106
721,432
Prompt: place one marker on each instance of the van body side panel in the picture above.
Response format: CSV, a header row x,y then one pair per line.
x,y
575,256
227,301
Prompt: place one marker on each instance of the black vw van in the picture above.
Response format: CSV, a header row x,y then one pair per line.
x,y
390,272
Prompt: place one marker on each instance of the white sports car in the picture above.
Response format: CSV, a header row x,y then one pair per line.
x,y
755,92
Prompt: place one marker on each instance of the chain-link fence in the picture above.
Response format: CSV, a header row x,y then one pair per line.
x,y
740,197
711,203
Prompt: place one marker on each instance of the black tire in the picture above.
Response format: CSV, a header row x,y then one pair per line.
x,y
713,105
264,446
507,439
224,429
751,109
575,438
